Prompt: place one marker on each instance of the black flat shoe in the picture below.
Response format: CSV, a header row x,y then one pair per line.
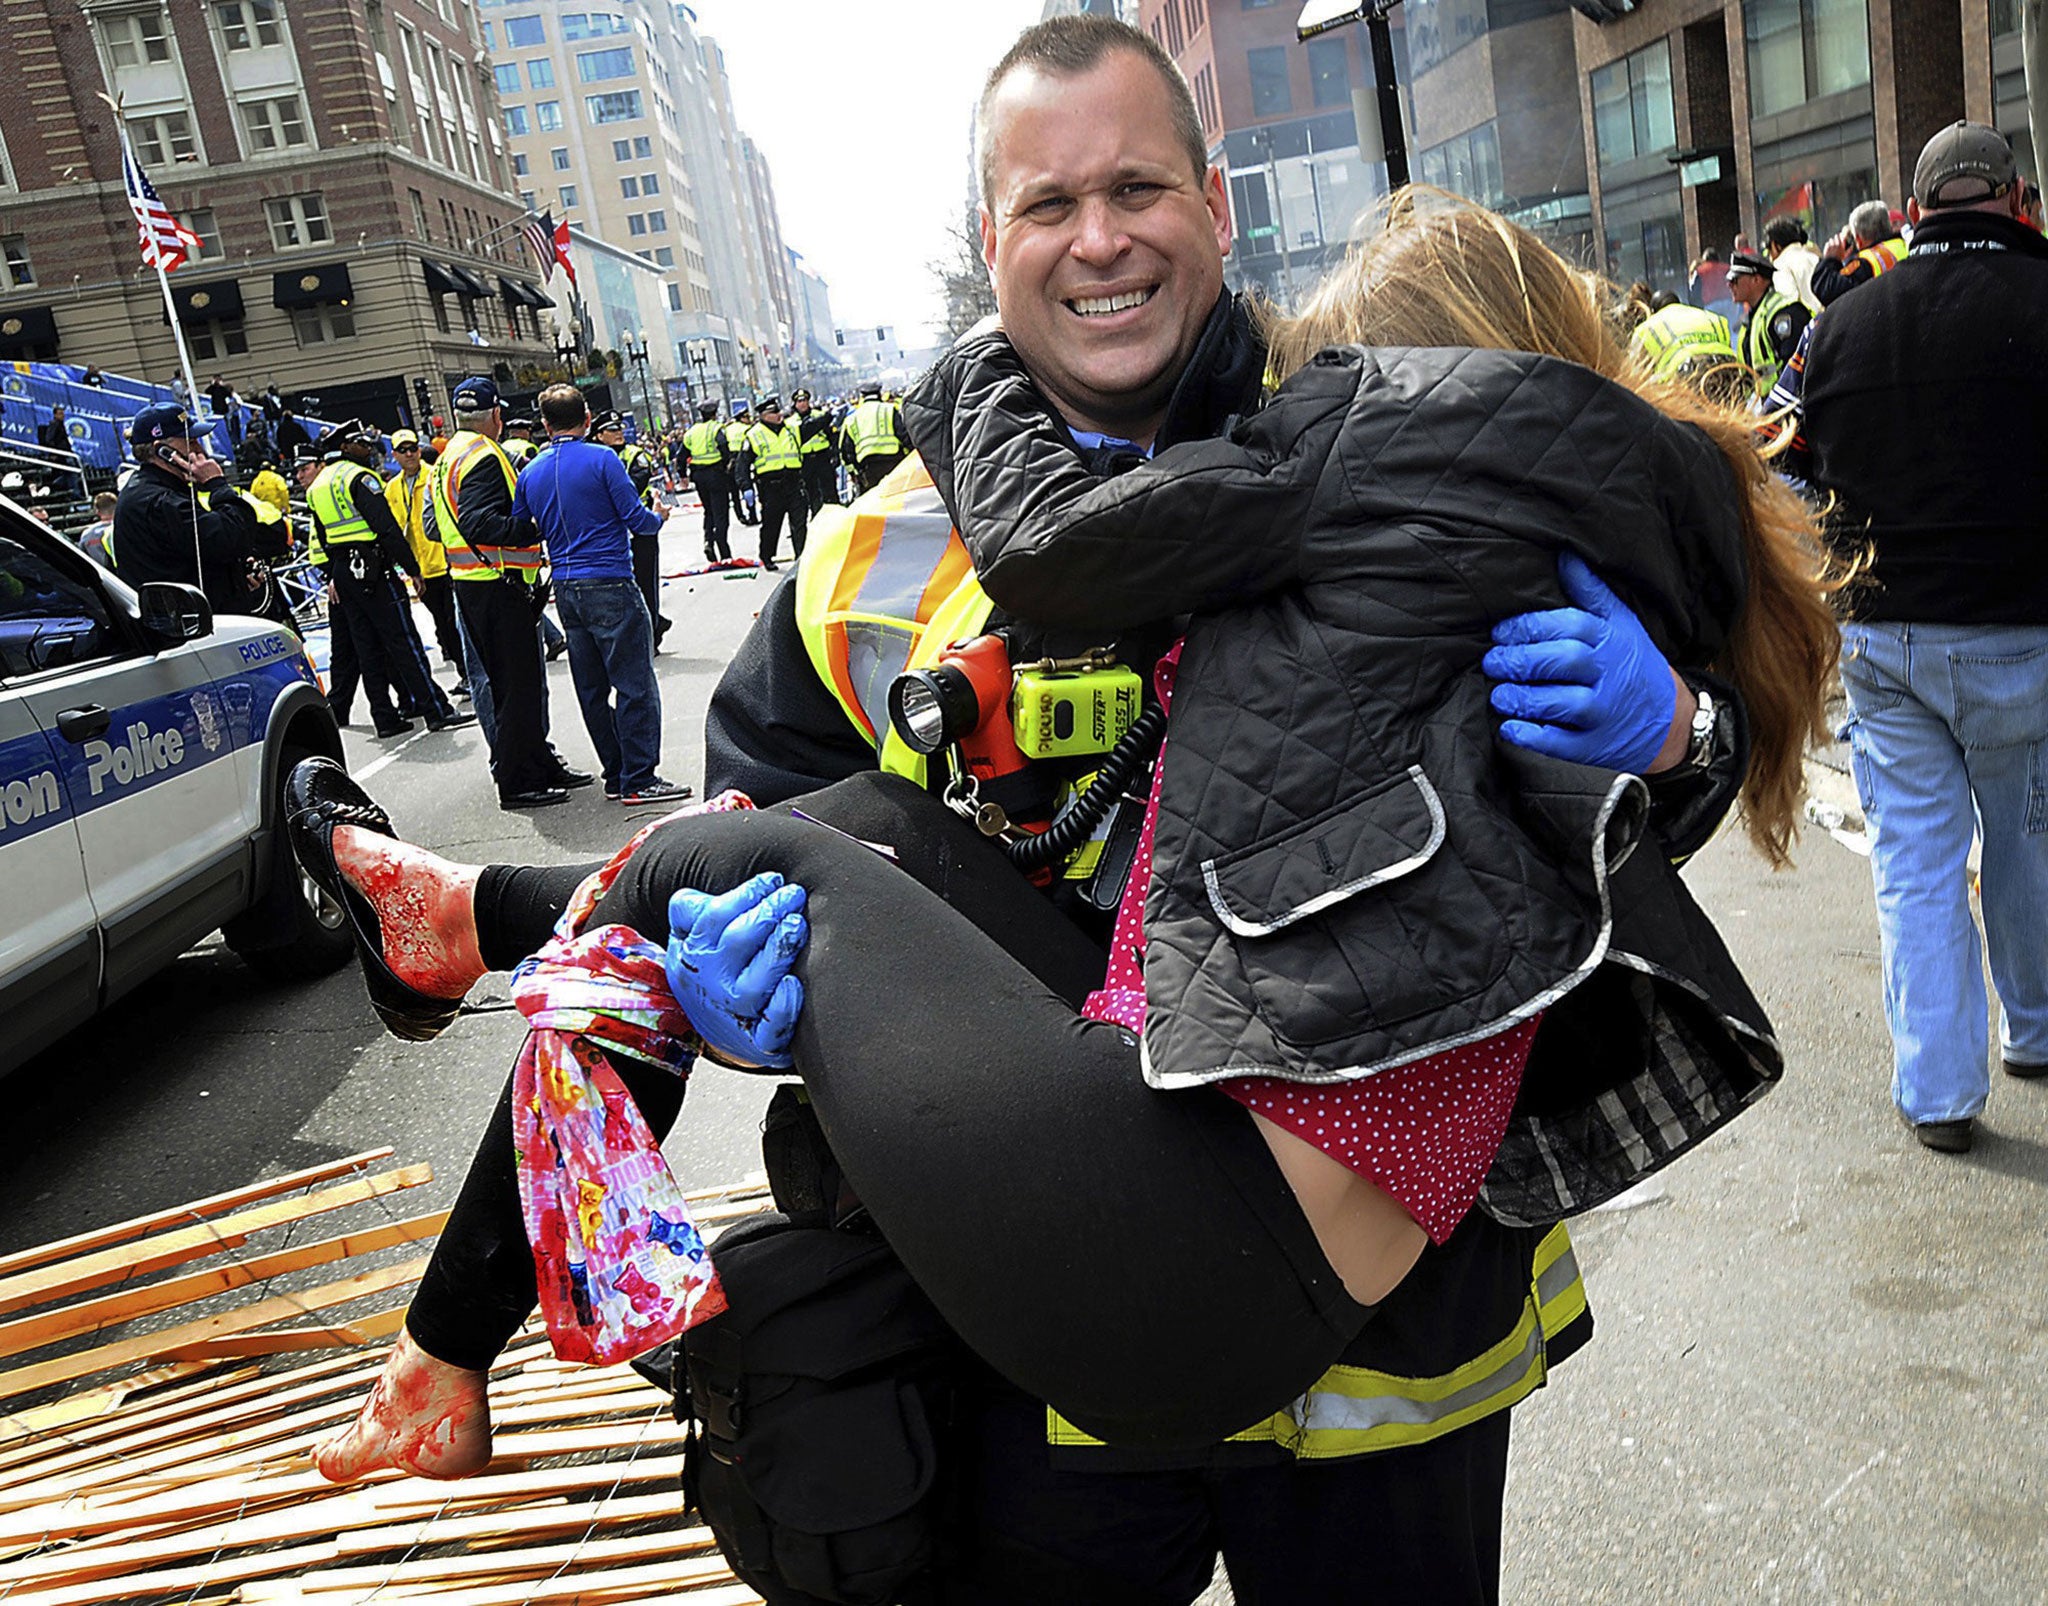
x,y
319,795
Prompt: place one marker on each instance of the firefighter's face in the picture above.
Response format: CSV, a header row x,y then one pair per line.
x,y
1105,245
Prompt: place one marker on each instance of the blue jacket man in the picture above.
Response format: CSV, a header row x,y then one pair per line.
x,y
579,495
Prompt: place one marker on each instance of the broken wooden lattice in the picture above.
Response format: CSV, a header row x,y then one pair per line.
x,y
206,1355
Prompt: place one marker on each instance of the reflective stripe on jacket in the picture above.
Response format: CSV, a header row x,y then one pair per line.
x,y
341,523
776,451
1883,256
1679,335
705,443
1757,350
872,427
885,586
465,562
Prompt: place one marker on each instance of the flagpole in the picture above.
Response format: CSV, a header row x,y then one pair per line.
x,y
163,279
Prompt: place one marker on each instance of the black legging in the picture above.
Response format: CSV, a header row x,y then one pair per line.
x,y
1133,1257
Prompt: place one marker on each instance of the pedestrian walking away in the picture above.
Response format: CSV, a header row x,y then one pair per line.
x,y
710,471
366,551
494,558
772,457
1910,388
580,496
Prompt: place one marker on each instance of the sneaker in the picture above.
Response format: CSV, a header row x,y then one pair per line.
x,y
656,791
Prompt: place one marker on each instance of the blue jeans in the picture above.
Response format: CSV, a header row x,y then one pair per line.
x,y
1948,736
611,661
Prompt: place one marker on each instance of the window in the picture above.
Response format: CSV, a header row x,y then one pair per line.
x,y
568,194
135,38
620,106
560,156
1632,115
1329,71
517,123
490,36
540,74
166,137
507,76
523,32
1269,81
315,326
272,125
664,256
547,115
14,263
526,200
636,222
649,184
53,619
629,188
297,220
1800,50
419,214
657,222
224,337
675,298
449,227
521,166
622,150
1468,165
593,25
594,66
248,24
1205,100
643,148
201,221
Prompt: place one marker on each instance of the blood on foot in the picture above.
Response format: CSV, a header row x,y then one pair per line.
x,y
425,911
433,1423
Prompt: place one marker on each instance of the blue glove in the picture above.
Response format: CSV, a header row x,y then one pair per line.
x,y
728,963
1583,683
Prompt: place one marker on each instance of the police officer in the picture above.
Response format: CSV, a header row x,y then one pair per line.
x,y
166,529
365,549
709,466
494,559
773,454
742,482
609,430
345,670
821,456
873,438
1690,343
518,442
406,493
1771,331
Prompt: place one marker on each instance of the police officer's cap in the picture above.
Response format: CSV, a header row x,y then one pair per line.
x,y
478,395
1742,262
871,390
769,404
356,433
521,421
161,421
739,410
605,421
707,411
800,394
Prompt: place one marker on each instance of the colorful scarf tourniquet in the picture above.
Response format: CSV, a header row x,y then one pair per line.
x,y
620,1264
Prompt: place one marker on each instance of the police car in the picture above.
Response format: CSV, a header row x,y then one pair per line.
x,y
143,749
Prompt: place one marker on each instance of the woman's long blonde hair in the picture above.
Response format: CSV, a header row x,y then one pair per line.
x,y
1444,272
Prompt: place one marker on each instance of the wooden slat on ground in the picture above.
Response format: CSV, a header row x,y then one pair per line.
x,y
179,1468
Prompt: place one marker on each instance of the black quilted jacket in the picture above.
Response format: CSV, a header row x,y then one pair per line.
x,y
1351,871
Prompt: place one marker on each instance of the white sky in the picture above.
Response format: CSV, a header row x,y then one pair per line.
x,y
817,83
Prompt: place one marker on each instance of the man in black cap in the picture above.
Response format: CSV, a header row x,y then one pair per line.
x,y
163,531
773,455
1925,411
1770,333
517,440
366,550
609,430
821,457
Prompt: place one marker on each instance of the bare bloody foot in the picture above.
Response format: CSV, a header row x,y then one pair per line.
x,y
424,1416
426,909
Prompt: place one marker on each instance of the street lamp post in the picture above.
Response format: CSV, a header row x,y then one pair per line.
x,y
566,347
636,354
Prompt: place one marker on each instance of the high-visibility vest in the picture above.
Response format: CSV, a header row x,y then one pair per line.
x,y
407,499
884,586
735,436
776,451
266,512
465,562
705,442
341,522
1678,335
816,430
1757,350
631,454
1353,1410
520,452
1884,256
887,585
872,428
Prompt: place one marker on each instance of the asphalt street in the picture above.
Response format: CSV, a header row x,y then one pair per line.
x,y
1816,1371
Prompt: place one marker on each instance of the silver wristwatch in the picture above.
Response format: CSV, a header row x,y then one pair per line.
x,y
1699,743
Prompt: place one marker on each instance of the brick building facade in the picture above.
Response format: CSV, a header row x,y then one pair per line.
x,y
340,160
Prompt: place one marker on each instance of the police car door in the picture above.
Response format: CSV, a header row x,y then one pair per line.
x,y
144,751
49,936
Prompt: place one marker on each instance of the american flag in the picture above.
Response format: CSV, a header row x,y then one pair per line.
x,y
540,236
165,242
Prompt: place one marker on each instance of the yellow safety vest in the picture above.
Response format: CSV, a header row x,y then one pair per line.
x,y
872,428
1884,256
341,523
266,513
705,442
817,441
735,436
776,451
407,500
519,452
1757,350
630,455
1679,335
466,562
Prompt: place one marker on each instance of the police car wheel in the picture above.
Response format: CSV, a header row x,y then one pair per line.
x,y
298,931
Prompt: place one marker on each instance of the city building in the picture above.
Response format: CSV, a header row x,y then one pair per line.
x,y
818,361
339,160
1125,9
1705,117
621,301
